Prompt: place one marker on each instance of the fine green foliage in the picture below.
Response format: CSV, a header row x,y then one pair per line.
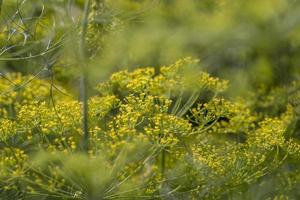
x,y
167,134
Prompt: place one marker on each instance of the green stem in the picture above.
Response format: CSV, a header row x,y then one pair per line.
x,y
84,77
1,2
190,102
163,162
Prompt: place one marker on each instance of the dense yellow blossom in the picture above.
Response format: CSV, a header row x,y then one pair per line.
x,y
8,128
163,132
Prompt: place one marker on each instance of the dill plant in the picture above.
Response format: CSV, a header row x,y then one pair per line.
x,y
170,134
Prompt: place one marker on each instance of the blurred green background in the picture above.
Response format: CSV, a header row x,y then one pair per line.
x,y
248,42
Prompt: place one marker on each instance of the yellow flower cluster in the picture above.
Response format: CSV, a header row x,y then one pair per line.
x,y
222,116
144,126
293,147
170,78
271,131
17,89
167,130
212,83
12,163
208,155
63,118
101,106
8,129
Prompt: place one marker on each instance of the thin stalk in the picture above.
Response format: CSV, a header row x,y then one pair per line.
x,y
163,162
84,76
177,103
190,102
0,5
